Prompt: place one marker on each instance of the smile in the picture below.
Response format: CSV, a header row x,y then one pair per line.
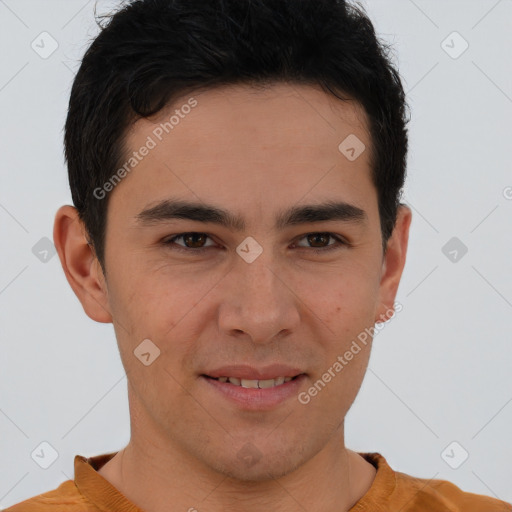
x,y
250,383
254,394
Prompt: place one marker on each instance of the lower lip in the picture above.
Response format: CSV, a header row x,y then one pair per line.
x,y
256,399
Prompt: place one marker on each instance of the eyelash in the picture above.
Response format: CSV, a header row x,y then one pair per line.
x,y
171,242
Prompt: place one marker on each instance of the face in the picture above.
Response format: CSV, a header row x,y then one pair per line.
x,y
252,292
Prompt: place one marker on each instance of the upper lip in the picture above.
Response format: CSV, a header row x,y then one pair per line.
x,y
252,373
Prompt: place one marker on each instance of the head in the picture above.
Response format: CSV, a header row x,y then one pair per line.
x,y
275,131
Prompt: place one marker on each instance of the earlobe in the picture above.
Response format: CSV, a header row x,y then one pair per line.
x,y
393,263
80,264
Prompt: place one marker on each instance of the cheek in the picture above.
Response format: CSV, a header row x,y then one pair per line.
x,y
152,300
345,300
168,308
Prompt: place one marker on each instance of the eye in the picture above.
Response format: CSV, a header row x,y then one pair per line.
x,y
194,242
321,238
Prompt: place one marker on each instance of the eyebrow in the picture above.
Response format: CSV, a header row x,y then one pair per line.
x,y
169,209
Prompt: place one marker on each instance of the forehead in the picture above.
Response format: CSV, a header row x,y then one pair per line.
x,y
249,147
261,117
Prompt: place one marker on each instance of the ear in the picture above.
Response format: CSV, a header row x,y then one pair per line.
x,y
82,268
393,263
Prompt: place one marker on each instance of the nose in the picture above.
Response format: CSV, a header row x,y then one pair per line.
x,y
258,301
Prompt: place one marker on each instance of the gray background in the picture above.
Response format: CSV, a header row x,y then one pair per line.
x,y
440,370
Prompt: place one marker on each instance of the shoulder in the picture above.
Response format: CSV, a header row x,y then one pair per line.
x,y
395,490
65,498
436,494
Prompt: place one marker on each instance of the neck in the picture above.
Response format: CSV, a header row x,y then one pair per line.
x,y
153,472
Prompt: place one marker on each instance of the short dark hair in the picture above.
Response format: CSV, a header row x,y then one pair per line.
x,y
150,52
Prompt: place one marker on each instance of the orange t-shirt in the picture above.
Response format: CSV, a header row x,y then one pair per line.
x,y
390,491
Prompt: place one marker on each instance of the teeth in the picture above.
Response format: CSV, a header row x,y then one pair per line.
x,y
246,383
251,383
269,383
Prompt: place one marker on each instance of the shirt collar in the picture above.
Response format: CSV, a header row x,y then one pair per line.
x,y
97,489
106,497
379,495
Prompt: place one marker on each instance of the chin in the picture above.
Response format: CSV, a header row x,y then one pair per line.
x,y
250,465
258,473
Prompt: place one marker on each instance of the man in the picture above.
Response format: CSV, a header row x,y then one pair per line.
x,y
236,169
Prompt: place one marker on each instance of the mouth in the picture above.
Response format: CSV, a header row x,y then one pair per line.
x,y
253,394
254,383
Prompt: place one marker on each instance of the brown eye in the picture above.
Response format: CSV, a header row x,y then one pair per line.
x,y
192,242
319,242
319,238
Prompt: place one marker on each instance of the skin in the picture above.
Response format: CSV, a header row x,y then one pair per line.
x,y
253,152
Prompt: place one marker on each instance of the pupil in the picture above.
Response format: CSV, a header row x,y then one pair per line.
x,y
192,236
320,235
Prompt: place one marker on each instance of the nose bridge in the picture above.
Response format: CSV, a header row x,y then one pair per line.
x,y
260,286
256,264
